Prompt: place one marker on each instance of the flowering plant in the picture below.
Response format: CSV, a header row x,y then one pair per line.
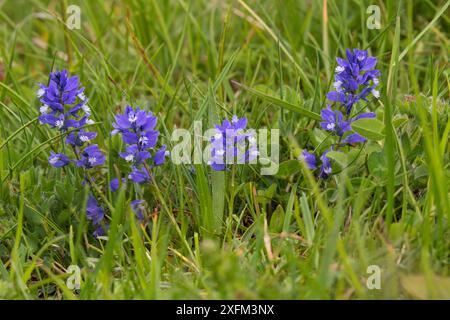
x,y
355,80
64,107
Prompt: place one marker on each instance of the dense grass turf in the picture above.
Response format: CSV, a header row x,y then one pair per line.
x,y
286,236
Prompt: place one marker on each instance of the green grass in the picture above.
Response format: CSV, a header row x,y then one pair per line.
x,y
234,234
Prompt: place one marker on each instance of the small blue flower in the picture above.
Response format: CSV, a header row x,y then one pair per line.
x,y
94,212
137,129
80,137
309,158
325,169
91,157
160,156
134,121
114,184
138,207
134,155
101,230
333,121
139,175
148,139
61,90
58,159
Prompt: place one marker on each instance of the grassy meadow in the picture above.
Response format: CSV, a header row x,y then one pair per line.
x,y
235,234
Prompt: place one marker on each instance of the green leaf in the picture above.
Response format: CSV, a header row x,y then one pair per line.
x,y
318,137
277,219
266,195
289,206
339,157
369,128
308,219
288,168
377,164
398,121
421,171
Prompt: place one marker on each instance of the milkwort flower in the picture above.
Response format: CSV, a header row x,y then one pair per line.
x,y
62,100
91,157
311,162
310,159
355,80
58,159
137,128
230,143
64,107
333,121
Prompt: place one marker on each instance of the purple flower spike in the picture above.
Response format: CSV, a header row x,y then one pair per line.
x,y
65,108
355,79
62,100
58,160
137,129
